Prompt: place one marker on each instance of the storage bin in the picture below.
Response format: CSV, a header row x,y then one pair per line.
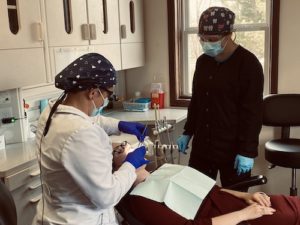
x,y
136,106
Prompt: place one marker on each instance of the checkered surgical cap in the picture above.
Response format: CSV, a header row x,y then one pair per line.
x,y
216,21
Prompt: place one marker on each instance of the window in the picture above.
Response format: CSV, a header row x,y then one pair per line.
x,y
255,20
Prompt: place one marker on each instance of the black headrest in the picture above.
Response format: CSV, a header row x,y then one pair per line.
x,y
281,110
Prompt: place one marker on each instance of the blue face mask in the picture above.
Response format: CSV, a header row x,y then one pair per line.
x,y
212,48
97,111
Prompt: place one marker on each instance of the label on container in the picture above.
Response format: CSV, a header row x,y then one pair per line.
x,y
157,99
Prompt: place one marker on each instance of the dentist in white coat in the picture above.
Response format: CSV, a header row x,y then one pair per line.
x,y
75,152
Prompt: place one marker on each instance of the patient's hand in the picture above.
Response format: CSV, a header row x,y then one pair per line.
x,y
142,174
258,197
255,211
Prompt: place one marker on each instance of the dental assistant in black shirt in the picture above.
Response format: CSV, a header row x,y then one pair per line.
x,y
225,112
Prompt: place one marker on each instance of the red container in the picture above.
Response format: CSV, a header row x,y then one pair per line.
x,y
158,99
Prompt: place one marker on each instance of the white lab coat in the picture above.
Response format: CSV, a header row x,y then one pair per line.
x,y
79,187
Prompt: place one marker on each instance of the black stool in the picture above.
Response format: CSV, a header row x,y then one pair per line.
x,y
283,110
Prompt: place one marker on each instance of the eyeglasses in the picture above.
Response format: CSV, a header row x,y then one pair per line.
x,y
110,94
120,148
108,91
210,38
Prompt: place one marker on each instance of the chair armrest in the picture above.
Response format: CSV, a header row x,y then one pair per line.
x,y
249,182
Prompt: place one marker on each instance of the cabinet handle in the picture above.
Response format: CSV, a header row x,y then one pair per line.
x,y
93,33
123,32
85,31
132,16
37,31
105,23
35,173
35,186
68,16
36,199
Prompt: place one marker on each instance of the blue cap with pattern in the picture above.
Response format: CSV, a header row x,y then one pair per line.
x,y
216,21
91,70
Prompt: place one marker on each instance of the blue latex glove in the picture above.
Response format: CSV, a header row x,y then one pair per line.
x,y
137,157
243,164
183,142
137,129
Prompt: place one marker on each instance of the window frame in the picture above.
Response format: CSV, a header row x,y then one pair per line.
x,y
175,10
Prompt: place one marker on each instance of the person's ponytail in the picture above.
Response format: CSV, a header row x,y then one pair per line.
x,y
52,111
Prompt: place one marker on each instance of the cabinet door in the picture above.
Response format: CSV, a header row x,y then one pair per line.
x,y
131,21
22,67
104,21
20,23
66,23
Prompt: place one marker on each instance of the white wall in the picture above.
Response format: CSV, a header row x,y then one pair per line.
x,y
157,60
288,82
156,33
289,49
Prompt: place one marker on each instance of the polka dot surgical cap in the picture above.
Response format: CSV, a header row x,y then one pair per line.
x,y
88,71
216,21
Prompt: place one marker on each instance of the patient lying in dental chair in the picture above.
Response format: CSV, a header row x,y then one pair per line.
x,y
220,207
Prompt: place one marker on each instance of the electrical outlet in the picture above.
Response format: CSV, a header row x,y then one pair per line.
x,y
6,112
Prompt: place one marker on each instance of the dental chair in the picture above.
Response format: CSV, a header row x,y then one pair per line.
x,y
8,213
283,110
129,219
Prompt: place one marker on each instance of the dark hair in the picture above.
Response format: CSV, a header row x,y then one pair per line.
x,y
52,111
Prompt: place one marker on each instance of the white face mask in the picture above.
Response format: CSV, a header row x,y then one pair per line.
x,y
97,111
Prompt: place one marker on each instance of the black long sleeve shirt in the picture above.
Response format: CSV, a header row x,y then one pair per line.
x,y
225,112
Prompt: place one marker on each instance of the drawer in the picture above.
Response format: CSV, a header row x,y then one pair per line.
x,y
26,198
24,176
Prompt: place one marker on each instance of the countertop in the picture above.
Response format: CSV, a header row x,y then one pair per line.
x,y
16,157
173,115
19,156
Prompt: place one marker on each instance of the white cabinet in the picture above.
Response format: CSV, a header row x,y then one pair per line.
x,y
131,21
104,21
21,44
38,38
78,27
132,33
65,19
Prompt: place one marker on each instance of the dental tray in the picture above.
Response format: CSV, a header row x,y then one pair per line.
x,y
136,106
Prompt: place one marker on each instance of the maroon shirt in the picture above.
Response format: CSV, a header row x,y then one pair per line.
x,y
216,203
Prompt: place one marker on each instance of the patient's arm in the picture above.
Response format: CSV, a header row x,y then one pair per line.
x,y
251,212
142,174
257,197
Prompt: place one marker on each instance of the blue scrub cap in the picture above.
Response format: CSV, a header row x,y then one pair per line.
x,y
91,70
216,21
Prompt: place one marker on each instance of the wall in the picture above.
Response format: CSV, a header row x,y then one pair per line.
x,y
156,44
156,33
289,57
288,82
